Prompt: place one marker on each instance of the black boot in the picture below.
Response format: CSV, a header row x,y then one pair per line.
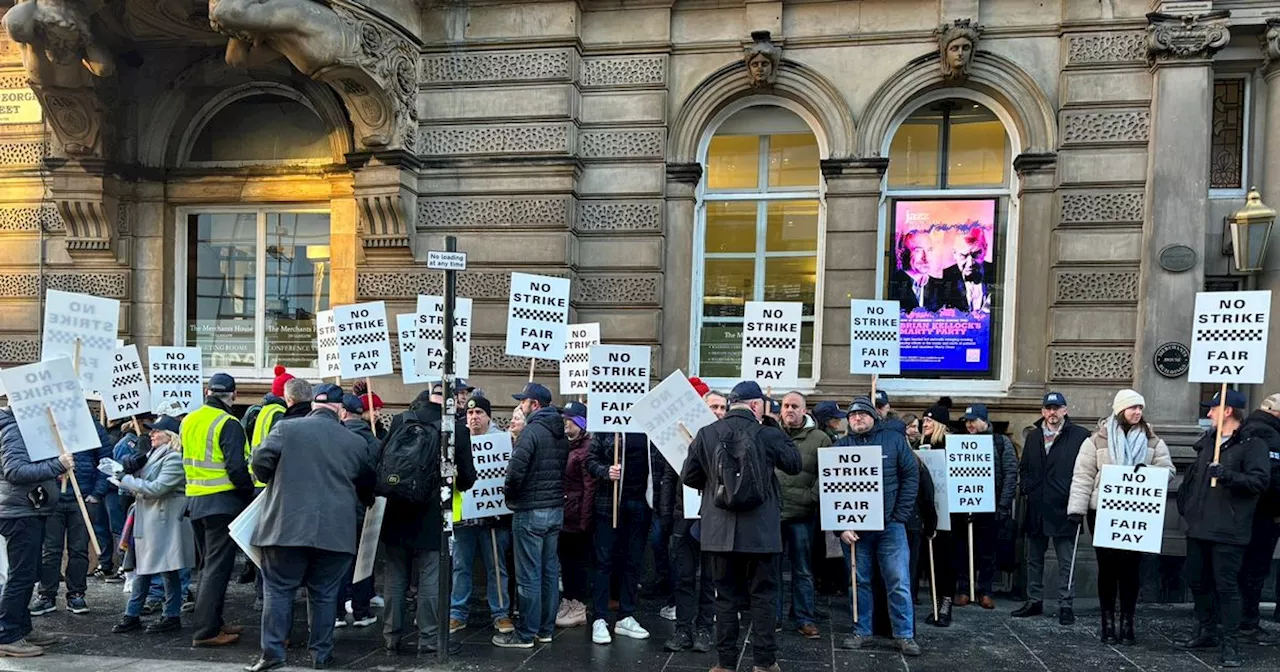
x,y
944,614
1109,627
1202,638
1029,608
1230,651
1127,636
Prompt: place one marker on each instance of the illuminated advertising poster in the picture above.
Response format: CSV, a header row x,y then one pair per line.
x,y
943,274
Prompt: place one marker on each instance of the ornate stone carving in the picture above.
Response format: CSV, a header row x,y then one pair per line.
x,y
761,58
167,19
957,43
1092,365
1097,286
452,141
622,144
380,285
489,212
1107,207
13,81
19,350
30,218
371,66
627,71
627,290
1271,44
19,285
385,192
597,216
1186,36
493,358
1117,126
27,285
687,173
498,66
23,152
1106,48
91,223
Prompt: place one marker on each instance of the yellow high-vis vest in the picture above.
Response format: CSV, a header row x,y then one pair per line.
x,y
202,457
267,418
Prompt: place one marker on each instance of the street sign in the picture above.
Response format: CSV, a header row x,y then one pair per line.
x,y
439,260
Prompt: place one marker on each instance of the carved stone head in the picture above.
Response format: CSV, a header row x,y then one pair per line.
x,y
1272,41
762,57
957,42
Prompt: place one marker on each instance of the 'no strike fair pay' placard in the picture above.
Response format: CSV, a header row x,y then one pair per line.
x,y
971,474
1131,508
874,346
34,390
536,316
1229,337
364,346
491,454
619,378
851,488
92,322
575,367
176,375
128,393
771,343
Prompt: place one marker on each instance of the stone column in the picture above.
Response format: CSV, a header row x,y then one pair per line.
x,y
1037,179
1269,277
1180,50
682,183
344,240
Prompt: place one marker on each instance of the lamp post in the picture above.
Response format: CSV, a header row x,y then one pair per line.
x,y
1250,232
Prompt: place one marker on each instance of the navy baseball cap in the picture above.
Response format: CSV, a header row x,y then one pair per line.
x,y
327,393
1235,399
460,385
352,404
976,412
882,398
825,411
575,409
1054,399
164,423
221,382
535,392
747,390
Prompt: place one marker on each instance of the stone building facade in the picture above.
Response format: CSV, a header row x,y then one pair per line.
x,y
228,171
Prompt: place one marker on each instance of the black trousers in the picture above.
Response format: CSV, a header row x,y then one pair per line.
x,y
746,578
23,539
944,570
214,544
695,601
1118,574
986,539
577,562
285,570
1213,572
65,525
1256,567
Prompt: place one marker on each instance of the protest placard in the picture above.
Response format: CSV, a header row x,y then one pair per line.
x,y
34,390
771,343
536,316
662,411
177,375
127,393
491,454
873,338
243,526
411,329
575,366
851,488
330,364
364,346
971,474
936,462
1131,508
692,503
92,322
367,551
619,377
430,359
1229,337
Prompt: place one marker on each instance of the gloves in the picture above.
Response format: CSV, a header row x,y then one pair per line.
x,y
1216,470
1075,518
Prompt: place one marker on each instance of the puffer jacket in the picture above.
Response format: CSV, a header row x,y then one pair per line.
x,y
901,470
579,487
22,477
535,476
800,492
1267,427
633,455
1094,454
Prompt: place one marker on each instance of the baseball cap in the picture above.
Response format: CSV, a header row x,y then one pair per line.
x,y
535,392
747,390
1053,399
327,393
460,385
825,411
164,423
882,398
352,404
221,382
863,405
480,403
976,412
1271,403
577,412
1235,399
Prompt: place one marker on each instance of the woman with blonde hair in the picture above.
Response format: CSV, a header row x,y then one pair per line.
x,y
1123,438
933,436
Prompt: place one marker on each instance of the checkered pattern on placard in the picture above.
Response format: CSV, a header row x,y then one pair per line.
x,y
361,339
89,342
491,473
407,345
1229,335
970,472
175,379
772,342
328,342
536,315
851,486
617,387
59,405
577,358
432,334
131,379
887,336
1131,506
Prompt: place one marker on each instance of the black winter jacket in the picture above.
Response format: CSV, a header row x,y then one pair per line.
x,y
418,525
633,454
535,477
1267,428
1046,479
925,518
1006,473
1225,514
22,477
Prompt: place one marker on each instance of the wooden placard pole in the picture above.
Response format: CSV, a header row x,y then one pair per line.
x,y
853,580
497,568
373,421
617,440
973,584
1217,442
933,582
875,382
75,366
84,510
533,362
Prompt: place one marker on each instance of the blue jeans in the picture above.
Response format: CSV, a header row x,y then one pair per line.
x,y
797,541
157,591
620,553
536,536
468,542
142,587
115,518
889,549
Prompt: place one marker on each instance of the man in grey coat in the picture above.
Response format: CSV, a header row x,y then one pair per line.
x,y
317,475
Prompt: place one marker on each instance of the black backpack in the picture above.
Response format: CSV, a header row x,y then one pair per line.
x,y
743,481
409,464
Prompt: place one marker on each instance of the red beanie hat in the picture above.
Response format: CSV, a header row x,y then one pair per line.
x,y
700,386
282,377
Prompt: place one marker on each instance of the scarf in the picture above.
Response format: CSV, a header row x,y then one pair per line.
x,y
1126,449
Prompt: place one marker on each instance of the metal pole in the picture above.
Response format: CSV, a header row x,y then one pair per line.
x,y
448,470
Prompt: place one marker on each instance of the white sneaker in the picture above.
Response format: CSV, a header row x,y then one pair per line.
x,y
348,606
574,615
364,622
339,622
600,632
376,602
628,627
668,613
564,609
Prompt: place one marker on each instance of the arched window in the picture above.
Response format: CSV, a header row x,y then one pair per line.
x,y
947,205
759,233
261,128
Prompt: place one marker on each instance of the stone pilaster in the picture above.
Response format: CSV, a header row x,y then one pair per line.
x,y
1180,51
1037,179
681,205
1269,277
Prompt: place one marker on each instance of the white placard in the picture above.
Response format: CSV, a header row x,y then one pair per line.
x,y
327,345
771,343
243,526
851,488
692,503
660,413
176,375
412,331
367,551
128,393
1131,508
91,320
536,316
971,474
574,368
364,346
491,454
619,378
874,347
430,360
936,462
51,384
1229,337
